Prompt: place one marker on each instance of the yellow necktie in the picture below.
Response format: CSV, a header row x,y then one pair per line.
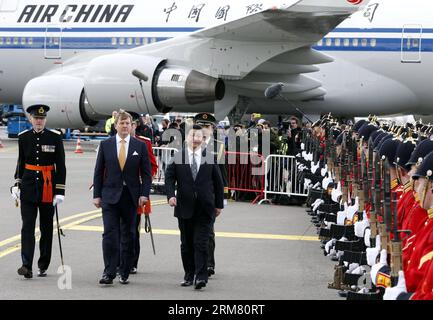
x,y
122,154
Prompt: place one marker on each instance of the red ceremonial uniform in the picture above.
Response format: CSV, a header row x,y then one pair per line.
x,y
154,169
415,219
425,288
422,249
405,203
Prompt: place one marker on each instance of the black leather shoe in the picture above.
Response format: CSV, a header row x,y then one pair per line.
x,y
186,283
42,273
23,271
133,270
200,284
123,280
106,280
342,294
210,271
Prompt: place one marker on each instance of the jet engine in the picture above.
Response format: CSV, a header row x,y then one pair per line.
x,y
109,84
66,98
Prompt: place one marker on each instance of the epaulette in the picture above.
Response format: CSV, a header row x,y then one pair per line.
x,y
55,131
23,132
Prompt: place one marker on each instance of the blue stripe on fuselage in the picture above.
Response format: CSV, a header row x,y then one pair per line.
x,y
388,44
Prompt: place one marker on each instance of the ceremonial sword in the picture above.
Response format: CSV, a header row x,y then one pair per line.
x,y
148,229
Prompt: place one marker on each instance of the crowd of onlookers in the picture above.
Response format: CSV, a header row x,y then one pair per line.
x,y
284,136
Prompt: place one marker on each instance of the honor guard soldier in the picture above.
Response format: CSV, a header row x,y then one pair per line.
x,y
40,184
217,148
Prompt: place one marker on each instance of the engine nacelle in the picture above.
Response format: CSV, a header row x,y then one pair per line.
x,y
110,85
65,97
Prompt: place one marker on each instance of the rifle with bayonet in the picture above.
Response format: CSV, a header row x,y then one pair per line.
x,y
396,250
375,192
385,227
364,197
344,166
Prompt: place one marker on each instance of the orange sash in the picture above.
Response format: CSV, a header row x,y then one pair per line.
x,y
47,193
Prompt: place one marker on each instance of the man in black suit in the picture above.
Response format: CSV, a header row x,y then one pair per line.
x,y
199,200
122,181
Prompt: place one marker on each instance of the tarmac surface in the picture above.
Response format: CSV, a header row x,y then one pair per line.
x,y
264,252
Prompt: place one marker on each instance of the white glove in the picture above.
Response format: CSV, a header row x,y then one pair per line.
x,y
58,199
328,245
317,205
394,292
304,155
360,226
315,202
307,182
359,270
363,291
372,253
352,267
375,268
323,171
325,182
341,215
302,146
336,193
367,236
15,193
353,209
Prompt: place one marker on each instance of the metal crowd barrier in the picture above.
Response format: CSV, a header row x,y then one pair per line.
x,y
246,173
163,157
282,177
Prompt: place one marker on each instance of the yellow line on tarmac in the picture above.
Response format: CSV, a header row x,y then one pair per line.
x,y
69,226
18,237
218,234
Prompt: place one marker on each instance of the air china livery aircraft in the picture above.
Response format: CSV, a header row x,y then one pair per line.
x,y
351,57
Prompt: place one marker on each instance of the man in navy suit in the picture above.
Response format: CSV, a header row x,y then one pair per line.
x,y
199,200
122,181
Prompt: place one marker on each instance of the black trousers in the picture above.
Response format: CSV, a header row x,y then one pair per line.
x,y
119,233
29,212
194,248
137,242
211,258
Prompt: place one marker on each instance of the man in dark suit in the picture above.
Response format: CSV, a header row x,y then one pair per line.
x,y
199,200
122,181
216,148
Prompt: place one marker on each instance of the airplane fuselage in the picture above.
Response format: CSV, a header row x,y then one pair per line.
x,y
382,55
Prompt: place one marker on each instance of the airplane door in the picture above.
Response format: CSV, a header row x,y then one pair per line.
x,y
53,43
8,5
411,43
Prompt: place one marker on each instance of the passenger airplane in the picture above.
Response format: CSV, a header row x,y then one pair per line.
x,y
351,57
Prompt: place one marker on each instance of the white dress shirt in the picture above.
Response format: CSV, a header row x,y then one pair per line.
x,y
197,155
118,144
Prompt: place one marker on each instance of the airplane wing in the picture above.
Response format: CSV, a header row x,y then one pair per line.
x,y
270,46
300,21
239,47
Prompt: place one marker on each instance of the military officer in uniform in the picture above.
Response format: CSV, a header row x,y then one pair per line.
x,y
40,185
217,148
